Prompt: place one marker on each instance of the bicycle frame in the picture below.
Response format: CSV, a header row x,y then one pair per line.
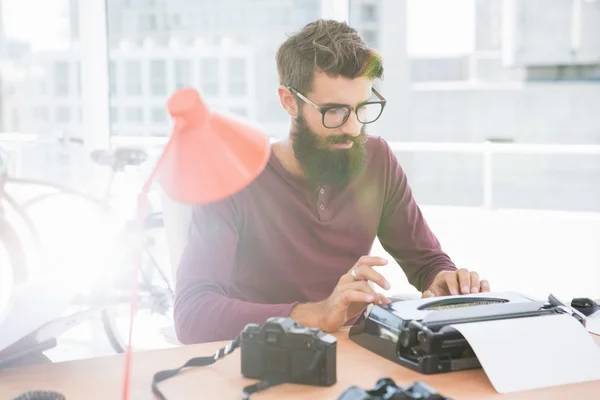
x,y
103,202
21,209
149,293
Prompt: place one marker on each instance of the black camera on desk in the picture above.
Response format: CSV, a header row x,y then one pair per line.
x,y
284,349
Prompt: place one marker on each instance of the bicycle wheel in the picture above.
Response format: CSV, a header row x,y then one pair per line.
x,y
155,296
15,264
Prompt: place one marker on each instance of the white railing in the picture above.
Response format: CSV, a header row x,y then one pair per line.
x,y
489,149
486,149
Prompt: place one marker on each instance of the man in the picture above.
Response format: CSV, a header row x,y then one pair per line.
x,y
296,241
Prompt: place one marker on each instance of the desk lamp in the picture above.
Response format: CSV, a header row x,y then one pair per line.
x,y
208,157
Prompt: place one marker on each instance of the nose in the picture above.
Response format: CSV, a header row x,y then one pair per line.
x,y
353,126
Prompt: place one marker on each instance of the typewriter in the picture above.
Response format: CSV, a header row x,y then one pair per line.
x,y
418,334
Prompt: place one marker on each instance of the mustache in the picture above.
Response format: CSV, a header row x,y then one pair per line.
x,y
340,139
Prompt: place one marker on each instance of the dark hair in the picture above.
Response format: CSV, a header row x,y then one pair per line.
x,y
328,46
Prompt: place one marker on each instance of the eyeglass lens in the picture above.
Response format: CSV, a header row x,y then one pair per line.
x,y
367,113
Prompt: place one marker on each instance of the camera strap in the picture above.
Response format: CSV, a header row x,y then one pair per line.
x,y
192,362
222,352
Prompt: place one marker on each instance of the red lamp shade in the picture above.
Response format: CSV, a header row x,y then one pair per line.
x,y
209,156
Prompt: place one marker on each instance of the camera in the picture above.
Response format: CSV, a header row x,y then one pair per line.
x,y
386,389
286,350
586,306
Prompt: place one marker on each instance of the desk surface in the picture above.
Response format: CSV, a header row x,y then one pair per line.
x,y
100,378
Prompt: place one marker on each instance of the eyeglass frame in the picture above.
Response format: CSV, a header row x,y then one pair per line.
x,y
324,109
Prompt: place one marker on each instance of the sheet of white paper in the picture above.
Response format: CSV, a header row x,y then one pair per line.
x,y
529,353
593,323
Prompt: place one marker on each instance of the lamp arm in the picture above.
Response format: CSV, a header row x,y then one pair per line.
x,y
158,165
141,211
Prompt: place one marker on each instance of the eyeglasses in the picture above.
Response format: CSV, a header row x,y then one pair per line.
x,y
336,115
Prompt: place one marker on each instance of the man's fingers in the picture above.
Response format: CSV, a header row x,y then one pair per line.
x,y
361,286
475,284
485,286
366,261
371,261
464,280
355,296
452,283
383,299
369,274
427,293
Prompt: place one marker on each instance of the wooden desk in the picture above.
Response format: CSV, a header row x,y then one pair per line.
x,y
100,378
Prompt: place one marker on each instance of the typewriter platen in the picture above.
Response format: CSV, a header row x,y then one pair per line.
x,y
418,333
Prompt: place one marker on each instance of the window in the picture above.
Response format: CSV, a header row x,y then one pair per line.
x,y
114,114
133,114
148,23
237,77
209,77
158,78
41,114
61,78
199,44
78,78
42,88
241,111
112,71
369,13
370,37
63,115
133,78
116,24
15,123
39,71
183,74
449,31
159,115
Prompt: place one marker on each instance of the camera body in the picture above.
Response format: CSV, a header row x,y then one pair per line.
x,y
585,305
284,348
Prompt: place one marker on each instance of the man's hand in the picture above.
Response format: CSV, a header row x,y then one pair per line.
x,y
462,281
350,297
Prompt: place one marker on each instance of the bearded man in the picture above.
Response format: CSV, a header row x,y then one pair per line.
x,y
296,242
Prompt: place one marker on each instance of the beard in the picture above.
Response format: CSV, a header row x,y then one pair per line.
x,y
323,165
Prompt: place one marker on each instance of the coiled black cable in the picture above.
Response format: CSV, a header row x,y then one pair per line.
x,y
40,395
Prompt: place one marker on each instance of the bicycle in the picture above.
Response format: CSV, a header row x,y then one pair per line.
x,y
153,296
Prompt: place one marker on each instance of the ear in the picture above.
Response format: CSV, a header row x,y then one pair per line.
x,y
288,101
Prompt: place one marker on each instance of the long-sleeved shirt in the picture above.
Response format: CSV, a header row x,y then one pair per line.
x,y
281,241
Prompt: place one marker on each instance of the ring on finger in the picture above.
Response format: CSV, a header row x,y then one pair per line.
x,y
354,274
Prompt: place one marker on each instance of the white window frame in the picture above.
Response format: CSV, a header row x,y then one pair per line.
x,y
95,83
395,124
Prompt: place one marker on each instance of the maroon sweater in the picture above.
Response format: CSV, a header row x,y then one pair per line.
x,y
280,242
